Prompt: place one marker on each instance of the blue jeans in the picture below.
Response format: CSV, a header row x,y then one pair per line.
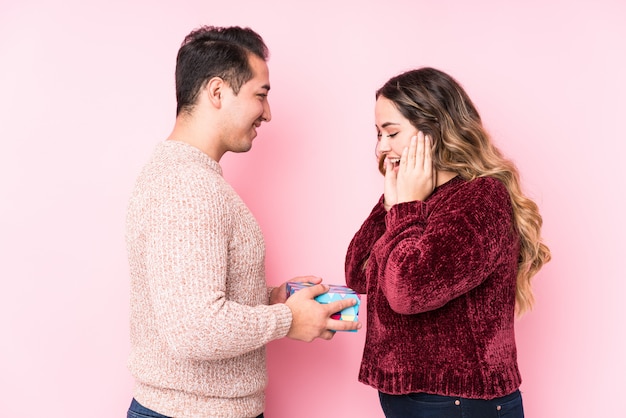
x,y
137,410
424,405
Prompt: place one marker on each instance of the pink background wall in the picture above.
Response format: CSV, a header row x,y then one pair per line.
x,y
87,90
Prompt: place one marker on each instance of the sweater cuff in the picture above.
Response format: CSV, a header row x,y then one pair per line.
x,y
379,209
406,212
283,320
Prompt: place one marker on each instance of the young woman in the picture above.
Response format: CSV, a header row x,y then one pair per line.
x,y
445,257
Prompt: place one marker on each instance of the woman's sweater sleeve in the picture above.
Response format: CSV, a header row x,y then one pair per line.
x,y
429,255
360,246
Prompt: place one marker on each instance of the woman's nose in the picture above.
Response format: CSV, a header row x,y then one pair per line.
x,y
383,146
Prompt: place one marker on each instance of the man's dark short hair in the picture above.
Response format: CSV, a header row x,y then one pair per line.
x,y
211,51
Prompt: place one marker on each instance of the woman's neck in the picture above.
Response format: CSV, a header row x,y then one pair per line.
x,y
444,177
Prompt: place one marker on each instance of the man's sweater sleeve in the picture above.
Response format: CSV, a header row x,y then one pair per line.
x,y
187,265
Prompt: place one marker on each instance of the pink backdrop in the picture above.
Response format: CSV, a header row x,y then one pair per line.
x,y
87,90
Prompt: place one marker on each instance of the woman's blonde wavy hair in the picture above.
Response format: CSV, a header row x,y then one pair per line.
x,y
437,105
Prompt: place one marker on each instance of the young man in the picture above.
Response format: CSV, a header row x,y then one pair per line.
x,y
201,312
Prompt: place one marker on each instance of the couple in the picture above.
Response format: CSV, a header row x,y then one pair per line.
x,y
445,257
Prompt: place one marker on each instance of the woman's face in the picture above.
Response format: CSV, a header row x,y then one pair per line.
x,y
394,131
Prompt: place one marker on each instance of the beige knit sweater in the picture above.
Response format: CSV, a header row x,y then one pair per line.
x,y
199,316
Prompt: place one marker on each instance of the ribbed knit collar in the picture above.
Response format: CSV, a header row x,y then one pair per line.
x,y
194,153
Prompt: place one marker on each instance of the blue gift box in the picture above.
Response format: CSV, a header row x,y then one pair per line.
x,y
335,293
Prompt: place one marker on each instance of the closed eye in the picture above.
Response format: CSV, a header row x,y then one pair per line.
x,y
379,135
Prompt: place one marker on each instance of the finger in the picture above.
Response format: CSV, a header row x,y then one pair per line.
x,y
413,152
390,186
420,150
389,173
307,279
338,325
340,305
390,178
428,155
313,291
405,163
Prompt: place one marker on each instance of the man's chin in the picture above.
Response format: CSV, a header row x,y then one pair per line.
x,y
243,148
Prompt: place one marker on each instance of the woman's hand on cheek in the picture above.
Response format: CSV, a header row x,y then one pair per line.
x,y
416,178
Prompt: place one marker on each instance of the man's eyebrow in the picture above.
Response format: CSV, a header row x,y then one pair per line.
x,y
266,87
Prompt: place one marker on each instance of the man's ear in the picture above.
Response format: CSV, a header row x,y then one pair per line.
x,y
214,90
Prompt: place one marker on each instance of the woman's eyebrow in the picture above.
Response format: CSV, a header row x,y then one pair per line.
x,y
384,125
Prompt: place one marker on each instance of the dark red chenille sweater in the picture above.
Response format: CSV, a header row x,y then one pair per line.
x,y
440,282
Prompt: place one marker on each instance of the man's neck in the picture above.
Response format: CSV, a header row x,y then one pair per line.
x,y
193,132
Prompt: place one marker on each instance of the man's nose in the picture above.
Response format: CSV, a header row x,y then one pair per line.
x,y
267,113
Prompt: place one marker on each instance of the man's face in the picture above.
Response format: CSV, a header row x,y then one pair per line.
x,y
246,110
